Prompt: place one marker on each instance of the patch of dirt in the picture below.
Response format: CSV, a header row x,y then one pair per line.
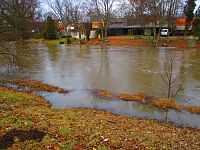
x,y
10,137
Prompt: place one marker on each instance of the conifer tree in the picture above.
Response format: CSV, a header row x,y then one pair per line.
x,y
50,28
196,23
189,13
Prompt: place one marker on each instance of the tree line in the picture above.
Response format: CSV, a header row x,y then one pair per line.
x,y
17,15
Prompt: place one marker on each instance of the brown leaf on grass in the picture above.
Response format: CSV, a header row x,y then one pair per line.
x,y
88,128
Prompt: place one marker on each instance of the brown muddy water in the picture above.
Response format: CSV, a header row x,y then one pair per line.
x,y
119,69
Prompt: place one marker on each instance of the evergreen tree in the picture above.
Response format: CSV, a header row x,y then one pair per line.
x,y
196,23
189,13
50,28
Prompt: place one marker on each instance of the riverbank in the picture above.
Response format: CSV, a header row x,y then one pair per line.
x,y
29,122
126,40
137,41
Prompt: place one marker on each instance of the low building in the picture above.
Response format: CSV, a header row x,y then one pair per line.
x,y
60,26
117,27
180,26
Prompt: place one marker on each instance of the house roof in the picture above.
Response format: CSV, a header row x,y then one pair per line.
x,y
181,22
121,20
133,26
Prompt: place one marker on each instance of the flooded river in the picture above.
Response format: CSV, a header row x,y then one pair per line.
x,y
119,69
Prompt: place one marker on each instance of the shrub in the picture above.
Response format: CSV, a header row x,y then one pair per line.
x,y
61,42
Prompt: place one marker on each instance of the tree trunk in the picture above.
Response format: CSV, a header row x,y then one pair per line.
x,y
185,34
106,33
79,37
158,36
154,36
168,27
102,35
186,28
169,90
106,30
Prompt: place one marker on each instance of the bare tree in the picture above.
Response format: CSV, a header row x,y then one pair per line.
x,y
121,9
60,9
148,13
153,13
16,18
68,11
170,76
103,10
173,9
8,54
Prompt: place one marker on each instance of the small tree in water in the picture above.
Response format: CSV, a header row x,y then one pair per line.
x,y
170,77
50,28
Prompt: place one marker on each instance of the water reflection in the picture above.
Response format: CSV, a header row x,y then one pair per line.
x,y
117,69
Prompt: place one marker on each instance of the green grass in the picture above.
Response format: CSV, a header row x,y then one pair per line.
x,y
102,148
133,37
64,131
151,37
53,42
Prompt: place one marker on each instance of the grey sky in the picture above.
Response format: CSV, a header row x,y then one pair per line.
x,y
45,7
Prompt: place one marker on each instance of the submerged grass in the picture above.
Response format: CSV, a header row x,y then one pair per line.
x,y
28,122
84,128
170,104
145,98
139,97
40,86
105,94
132,97
192,109
166,104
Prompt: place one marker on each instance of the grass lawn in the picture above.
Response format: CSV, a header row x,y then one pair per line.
x,y
29,122
151,37
53,42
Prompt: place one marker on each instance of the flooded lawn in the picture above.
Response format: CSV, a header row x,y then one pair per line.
x,y
118,69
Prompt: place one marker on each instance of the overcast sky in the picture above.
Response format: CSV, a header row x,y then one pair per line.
x,y
198,3
45,7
